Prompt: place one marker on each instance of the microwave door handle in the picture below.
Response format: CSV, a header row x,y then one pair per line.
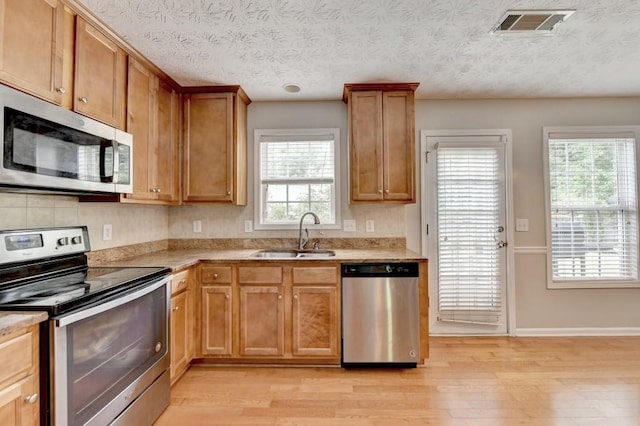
x,y
108,176
116,161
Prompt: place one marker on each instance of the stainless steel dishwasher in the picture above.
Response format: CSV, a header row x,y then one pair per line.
x,y
380,314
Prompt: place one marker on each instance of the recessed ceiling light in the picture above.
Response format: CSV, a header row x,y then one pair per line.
x,y
530,21
291,88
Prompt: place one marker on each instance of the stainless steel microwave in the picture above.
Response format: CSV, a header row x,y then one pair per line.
x,y
47,148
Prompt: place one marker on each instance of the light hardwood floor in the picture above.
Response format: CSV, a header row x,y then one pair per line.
x,y
466,381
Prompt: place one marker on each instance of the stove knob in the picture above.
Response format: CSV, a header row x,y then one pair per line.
x,y
76,240
63,241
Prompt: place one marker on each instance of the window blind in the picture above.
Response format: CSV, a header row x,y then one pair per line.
x,y
299,161
470,270
593,203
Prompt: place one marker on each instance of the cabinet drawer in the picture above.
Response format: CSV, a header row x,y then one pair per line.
x,y
260,275
216,274
315,275
179,282
17,357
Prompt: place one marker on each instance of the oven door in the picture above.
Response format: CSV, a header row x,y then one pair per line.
x,y
105,356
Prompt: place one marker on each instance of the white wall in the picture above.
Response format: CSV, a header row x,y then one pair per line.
x,y
536,306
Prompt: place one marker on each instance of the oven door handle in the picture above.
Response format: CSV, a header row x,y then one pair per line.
x,y
64,320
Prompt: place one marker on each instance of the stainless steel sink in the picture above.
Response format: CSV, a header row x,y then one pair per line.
x,y
316,253
275,253
295,254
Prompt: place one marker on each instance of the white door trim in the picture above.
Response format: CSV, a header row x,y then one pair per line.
x,y
424,207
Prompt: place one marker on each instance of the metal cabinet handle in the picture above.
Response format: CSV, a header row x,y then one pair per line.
x,y
228,192
182,281
226,296
380,191
215,276
176,308
31,399
84,100
61,90
295,296
386,191
158,190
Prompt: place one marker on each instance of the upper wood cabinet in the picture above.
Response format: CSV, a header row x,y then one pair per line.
x,y
31,47
381,142
100,76
215,146
152,119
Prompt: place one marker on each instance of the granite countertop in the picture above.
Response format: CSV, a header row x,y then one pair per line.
x,y
180,259
14,321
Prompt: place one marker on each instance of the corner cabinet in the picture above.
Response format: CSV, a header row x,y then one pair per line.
x,y
215,145
152,119
381,142
31,47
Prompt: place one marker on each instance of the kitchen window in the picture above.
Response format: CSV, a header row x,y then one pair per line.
x,y
592,206
296,172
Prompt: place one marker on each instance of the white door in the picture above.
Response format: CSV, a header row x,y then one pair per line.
x,y
466,230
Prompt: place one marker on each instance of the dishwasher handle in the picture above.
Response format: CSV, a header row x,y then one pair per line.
x,y
387,269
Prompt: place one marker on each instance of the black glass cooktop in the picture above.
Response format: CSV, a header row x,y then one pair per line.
x,y
63,292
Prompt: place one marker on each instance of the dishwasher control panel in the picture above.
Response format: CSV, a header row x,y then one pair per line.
x,y
387,269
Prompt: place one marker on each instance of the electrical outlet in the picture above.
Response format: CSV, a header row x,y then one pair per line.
x,y
368,226
349,225
248,226
197,226
107,232
522,225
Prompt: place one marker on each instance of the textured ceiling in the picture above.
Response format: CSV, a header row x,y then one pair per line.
x,y
445,45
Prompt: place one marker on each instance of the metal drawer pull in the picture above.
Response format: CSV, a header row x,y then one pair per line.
x,y
84,100
182,281
31,399
215,276
176,308
61,90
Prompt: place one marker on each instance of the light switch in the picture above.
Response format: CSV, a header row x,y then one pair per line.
x,y
369,226
522,225
349,225
248,226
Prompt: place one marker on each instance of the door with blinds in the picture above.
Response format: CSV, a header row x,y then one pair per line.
x,y
467,233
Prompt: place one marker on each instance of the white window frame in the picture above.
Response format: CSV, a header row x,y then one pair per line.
x,y
259,202
584,132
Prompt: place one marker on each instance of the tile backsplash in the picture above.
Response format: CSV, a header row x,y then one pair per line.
x,y
131,224
136,224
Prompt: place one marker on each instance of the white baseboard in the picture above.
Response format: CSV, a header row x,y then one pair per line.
x,y
581,331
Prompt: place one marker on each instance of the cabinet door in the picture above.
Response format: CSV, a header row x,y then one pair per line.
x,y
164,156
365,146
399,146
179,332
261,320
315,321
208,147
19,403
141,105
100,76
216,320
31,46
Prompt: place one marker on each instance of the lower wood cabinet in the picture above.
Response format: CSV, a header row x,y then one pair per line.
x,y
181,324
315,321
279,312
216,320
19,383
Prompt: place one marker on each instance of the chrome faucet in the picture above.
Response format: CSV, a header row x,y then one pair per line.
x,y
303,241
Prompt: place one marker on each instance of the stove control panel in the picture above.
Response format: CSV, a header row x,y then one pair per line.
x,y
29,244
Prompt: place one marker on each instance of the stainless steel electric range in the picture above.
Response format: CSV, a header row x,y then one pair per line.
x,y
104,350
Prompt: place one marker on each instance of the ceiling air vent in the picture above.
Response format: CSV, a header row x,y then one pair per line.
x,y
530,21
